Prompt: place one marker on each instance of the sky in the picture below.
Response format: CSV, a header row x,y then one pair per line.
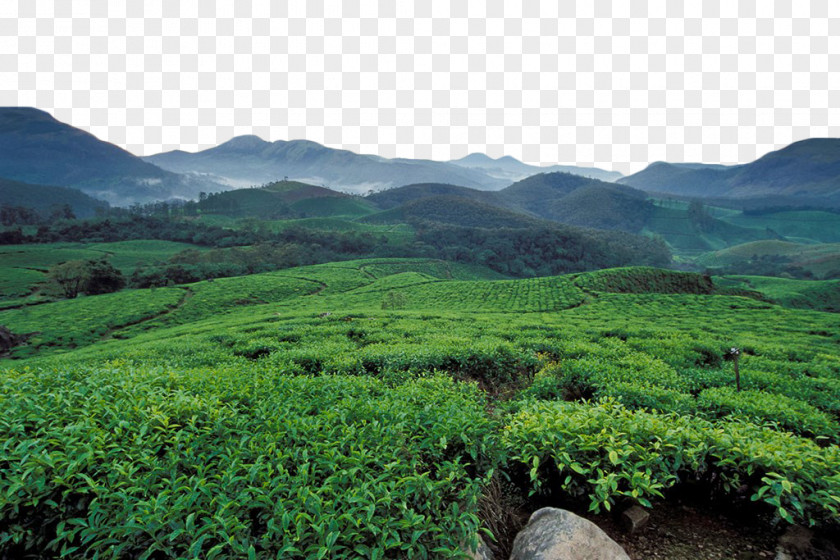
x,y
615,84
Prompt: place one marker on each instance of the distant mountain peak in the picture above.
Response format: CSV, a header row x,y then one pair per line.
x,y
246,142
474,158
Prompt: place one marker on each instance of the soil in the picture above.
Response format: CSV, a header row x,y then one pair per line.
x,y
677,532
678,528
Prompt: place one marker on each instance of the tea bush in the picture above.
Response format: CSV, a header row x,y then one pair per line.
x,y
605,451
125,462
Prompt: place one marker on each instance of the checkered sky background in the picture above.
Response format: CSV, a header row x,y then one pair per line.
x,y
612,83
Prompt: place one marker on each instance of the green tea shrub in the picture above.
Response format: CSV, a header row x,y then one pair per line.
x,y
792,474
641,280
789,413
697,379
635,396
135,462
606,452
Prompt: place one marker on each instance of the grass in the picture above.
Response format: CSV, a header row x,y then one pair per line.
x,y
805,226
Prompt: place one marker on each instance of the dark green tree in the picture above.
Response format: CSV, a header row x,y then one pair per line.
x,y
102,278
67,278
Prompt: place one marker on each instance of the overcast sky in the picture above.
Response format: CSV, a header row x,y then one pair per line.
x,y
616,84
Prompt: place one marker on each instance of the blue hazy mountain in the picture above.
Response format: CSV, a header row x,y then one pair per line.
x,y
808,170
511,169
248,160
37,148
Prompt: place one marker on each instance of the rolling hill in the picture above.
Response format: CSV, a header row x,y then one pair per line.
x,y
768,257
37,148
392,198
803,226
454,210
805,171
819,295
557,196
284,199
576,200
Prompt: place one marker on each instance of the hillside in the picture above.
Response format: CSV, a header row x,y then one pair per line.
x,y
819,295
693,233
601,207
697,180
283,199
689,229
802,226
775,258
805,170
46,199
392,198
413,393
36,148
248,160
453,210
559,197
576,200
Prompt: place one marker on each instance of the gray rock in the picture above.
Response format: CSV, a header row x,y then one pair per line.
x,y
799,543
634,518
557,534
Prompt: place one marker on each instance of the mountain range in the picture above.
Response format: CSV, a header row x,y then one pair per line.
x,y
36,148
248,160
807,171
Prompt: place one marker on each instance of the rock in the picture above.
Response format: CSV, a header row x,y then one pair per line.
x,y
634,518
797,543
557,534
795,540
9,340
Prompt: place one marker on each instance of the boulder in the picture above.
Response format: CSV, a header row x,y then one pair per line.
x,y
797,543
634,518
557,534
8,339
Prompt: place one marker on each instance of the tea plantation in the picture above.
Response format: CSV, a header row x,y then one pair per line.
x,y
364,409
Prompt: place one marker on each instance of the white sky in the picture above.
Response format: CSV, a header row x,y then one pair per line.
x,y
615,84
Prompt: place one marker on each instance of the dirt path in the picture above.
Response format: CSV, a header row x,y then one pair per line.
x,y
188,293
321,285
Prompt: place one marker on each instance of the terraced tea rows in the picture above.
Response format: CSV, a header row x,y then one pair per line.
x,y
290,414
